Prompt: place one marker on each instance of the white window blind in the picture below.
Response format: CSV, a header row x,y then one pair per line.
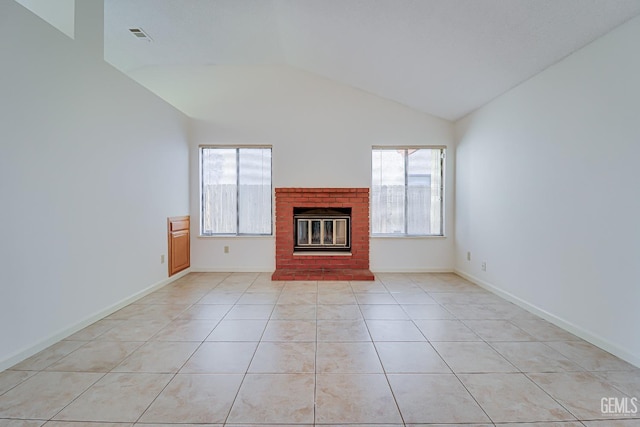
x,y
406,191
236,194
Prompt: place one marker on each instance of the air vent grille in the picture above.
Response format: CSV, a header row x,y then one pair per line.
x,y
139,33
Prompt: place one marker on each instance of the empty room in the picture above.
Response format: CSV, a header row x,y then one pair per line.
x,y
319,213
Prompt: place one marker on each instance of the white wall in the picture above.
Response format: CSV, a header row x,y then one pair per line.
x,y
322,134
548,194
91,164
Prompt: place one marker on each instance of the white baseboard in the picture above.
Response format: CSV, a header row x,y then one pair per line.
x,y
64,333
232,270
412,270
586,335
271,269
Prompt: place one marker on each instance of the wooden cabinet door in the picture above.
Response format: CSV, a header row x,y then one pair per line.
x,y
179,244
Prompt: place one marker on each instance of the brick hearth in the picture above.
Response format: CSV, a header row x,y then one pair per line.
x,y
290,266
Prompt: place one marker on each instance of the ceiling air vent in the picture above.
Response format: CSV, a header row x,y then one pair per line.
x,y
139,33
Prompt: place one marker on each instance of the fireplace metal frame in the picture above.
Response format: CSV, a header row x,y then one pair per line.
x,y
322,244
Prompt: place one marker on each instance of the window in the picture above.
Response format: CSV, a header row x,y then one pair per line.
x,y
235,190
406,191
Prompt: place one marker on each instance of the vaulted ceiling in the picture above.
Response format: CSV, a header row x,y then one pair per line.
x,y
442,57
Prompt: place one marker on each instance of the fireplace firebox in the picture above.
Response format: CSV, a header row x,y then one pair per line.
x,y
322,229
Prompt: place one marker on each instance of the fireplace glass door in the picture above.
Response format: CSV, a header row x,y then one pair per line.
x,y
316,232
319,233
303,233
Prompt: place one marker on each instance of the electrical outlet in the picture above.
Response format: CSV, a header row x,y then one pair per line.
x,y
468,256
226,249
162,259
484,266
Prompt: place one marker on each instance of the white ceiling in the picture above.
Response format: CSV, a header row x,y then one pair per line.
x,y
59,13
442,57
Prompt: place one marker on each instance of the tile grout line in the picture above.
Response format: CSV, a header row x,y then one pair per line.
x,y
315,363
175,374
244,377
519,371
456,374
553,398
78,396
450,368
526,373
384,371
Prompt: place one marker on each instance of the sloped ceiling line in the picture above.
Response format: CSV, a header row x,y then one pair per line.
x,y
441,57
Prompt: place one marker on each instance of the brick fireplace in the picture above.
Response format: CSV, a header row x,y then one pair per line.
x,y
326,265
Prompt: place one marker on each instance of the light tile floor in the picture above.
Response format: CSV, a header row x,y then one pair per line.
x,y
238,349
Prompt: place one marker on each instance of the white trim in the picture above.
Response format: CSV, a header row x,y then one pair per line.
x,y
64,333
271,270
407,236
236,236
586,335
409,147
235,146
413,270
232,269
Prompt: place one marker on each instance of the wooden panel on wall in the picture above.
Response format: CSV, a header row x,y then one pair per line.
x,y
179,243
